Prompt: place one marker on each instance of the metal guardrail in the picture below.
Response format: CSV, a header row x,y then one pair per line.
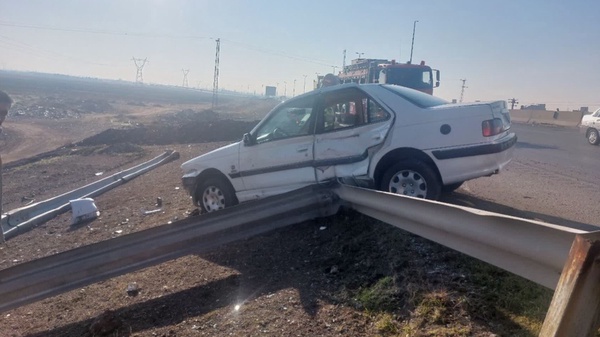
x,y
560,258
52,275
531,249
22,219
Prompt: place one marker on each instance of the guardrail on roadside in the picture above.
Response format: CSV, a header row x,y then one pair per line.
x,y
560,258
22,219
557,257
55,274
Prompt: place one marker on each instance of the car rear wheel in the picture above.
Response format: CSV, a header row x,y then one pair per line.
x,y
413,178
451,187
214,194
592,137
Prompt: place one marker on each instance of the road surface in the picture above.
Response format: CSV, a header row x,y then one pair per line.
x,y
554,177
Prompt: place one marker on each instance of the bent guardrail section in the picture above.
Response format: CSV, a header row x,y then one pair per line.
x,y
534,250
53,275
560,258
22,219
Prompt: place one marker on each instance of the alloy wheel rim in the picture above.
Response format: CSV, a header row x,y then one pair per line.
x,y
408,182
593,137
213,199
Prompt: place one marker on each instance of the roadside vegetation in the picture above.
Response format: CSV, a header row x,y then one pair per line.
x,y
409,286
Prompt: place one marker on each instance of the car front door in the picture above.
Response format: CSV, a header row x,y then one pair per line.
x,y
278,156
349,123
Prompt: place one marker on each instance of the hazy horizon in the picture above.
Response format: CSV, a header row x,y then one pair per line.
x,y
537,52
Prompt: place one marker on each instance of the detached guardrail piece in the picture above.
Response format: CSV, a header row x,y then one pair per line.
x,y
22,219
531,249
55,274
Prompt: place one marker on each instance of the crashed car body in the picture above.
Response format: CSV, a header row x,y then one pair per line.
x,y
382,136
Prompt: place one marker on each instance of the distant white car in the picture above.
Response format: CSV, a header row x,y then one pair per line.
x,y
590,126
381,136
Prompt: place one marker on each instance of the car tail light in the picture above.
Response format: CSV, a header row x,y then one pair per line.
x,y
492,127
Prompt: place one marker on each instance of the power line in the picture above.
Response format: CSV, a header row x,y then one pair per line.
x,y
277,53
154,35
36,51
105,32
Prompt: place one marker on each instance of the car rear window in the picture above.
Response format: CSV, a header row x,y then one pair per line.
x,y
418,98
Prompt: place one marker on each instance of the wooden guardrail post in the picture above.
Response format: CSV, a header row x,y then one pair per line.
x,y
575,307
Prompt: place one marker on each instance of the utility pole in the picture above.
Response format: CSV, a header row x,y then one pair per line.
x,y
185,80
334,68
413,40
215,98
304,84
139,64
284,89
462,90
294,89
344,63
513,102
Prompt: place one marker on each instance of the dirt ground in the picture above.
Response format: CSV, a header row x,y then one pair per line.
x,y
345,275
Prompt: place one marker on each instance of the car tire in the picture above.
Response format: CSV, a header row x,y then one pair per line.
x,y
214,194
592,137
412,177
451,187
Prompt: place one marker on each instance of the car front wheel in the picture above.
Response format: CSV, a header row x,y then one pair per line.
x,y
214,194
592,137
413,178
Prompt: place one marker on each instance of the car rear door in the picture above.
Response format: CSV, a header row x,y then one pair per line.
x,y
349,123
279,155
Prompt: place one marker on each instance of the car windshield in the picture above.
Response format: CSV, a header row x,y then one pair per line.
x,y
416,97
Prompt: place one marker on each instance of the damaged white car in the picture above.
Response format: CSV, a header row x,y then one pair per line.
x,y
386,137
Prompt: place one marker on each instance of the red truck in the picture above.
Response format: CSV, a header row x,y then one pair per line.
x,y
416,76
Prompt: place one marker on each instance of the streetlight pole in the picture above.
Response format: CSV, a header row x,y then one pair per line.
x,y
284,89
413,40
359,55
304,84
294,90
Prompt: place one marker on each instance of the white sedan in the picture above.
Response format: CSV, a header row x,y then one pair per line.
x,y
381,136
590,126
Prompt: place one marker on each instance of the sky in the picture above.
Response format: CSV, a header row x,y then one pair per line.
x,y
537,51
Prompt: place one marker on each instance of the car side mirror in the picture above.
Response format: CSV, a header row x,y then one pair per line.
x,y
247,139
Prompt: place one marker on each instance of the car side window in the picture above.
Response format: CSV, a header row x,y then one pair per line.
x,y
347,109
375,112
290,120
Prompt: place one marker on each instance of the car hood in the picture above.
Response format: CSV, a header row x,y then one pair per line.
x,y
221,157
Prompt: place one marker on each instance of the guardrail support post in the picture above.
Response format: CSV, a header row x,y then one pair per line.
x,y
575,307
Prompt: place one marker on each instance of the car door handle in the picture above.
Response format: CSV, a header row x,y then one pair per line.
x,y
302,149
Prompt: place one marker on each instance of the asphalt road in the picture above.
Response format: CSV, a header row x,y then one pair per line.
x,y
554,177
